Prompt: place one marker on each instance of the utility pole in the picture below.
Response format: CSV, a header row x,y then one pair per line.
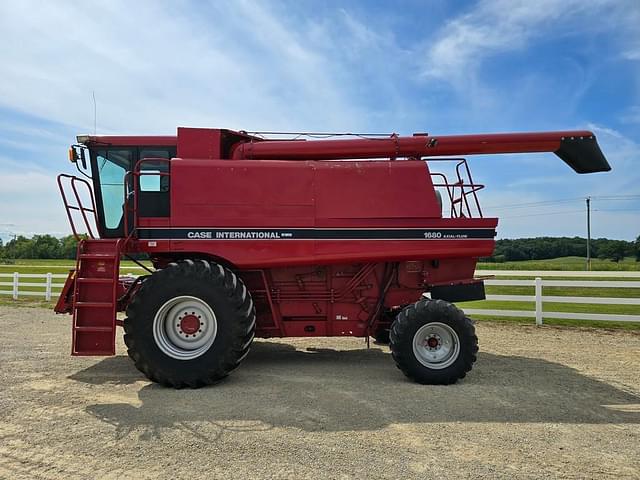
x,y
588,233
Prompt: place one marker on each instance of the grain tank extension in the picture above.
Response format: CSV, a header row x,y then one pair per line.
x,y
269,237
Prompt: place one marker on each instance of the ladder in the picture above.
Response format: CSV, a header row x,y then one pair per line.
x,y
95,297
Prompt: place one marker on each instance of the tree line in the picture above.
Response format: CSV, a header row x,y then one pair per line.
x,y
542,248
39,246
538,248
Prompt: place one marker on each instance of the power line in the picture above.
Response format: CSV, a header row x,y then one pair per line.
x,y
616,197
540,214
572,211
605,198
533,204
616,209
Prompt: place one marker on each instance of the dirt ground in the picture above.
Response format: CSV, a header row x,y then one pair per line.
x,y
540,403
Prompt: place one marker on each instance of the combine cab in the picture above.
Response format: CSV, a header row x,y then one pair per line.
x,y
284,238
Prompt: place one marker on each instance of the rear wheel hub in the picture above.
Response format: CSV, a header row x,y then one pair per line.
x,y
436,345
432,342
190,324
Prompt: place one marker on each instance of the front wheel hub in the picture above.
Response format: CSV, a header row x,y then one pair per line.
x,y
185,327
433,342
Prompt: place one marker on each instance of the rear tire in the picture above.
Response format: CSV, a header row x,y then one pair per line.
x,y
190,324
433,342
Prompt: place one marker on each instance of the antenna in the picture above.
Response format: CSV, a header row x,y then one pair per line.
x,y
95,111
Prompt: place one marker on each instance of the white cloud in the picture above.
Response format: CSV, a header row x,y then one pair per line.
x,y
492,27
29,203
154,67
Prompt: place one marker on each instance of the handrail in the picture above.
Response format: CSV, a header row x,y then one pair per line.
x,y
467,187
79,206
473,190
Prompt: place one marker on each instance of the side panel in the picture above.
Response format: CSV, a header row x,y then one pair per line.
x,y
373,192
261,214
223,193
337,300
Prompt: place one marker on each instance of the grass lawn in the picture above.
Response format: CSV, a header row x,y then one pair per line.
x,y
564,263
61,266
561,322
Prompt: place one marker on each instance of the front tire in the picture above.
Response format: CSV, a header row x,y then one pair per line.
x,y
190,324
433,342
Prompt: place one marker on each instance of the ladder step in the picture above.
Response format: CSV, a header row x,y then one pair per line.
x,y
113,241
95,304
94,316
91,352
94,280
93,329
97,256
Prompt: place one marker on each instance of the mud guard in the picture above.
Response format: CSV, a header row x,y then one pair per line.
x,y
65,300
462,292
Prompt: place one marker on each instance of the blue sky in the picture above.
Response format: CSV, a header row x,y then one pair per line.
x,y
415,66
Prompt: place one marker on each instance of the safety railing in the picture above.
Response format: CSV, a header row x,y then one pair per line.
x,y
462,192
71,183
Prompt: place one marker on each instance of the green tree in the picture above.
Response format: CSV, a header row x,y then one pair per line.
x,y
46,246
613,250
19,247
69,245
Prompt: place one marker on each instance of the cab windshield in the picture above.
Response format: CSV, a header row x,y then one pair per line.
x,y
112,165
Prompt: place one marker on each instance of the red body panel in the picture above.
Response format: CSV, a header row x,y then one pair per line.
x,y
318,196
324,247
337,224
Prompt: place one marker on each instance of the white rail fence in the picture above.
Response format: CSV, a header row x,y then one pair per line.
x,y
49,286
45,288
539,313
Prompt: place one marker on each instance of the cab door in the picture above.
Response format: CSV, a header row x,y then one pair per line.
x,y
154,182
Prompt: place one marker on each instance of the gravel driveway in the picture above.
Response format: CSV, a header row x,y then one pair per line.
x,y
540,403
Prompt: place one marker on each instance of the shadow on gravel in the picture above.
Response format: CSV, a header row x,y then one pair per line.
x,y
325,389
111,370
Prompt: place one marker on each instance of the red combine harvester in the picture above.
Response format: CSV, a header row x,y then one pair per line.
x,y
250,236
